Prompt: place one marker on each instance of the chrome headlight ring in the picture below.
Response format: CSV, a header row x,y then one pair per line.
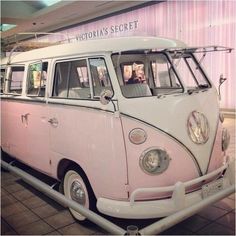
x,y
154,161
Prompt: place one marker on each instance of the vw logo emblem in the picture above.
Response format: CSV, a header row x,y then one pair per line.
x,y
198,127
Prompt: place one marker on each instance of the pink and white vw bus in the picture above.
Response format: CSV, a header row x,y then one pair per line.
x,y
130,126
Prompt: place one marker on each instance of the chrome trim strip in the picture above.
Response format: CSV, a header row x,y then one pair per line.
x,y
55,103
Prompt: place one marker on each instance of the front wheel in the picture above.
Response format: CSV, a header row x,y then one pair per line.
x,y
77,188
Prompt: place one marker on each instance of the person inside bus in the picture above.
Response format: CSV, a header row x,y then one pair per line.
x,y
133,79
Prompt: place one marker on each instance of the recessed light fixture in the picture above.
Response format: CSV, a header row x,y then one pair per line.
x,y
50,2
5,27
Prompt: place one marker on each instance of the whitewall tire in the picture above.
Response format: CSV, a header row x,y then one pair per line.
x,y
77,188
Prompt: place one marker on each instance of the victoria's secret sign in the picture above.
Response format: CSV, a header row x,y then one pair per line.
x,y
108,31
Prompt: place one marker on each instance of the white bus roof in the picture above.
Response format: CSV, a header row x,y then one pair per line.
x,y
96,46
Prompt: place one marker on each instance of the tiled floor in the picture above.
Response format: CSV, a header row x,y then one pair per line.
x,y
25,211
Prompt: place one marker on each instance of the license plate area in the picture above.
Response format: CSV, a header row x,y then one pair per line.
x,y
212,188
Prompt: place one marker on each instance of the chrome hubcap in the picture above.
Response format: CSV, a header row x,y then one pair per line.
x,y
77,192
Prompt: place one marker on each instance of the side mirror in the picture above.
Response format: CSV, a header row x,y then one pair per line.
x,y
221,81
105,96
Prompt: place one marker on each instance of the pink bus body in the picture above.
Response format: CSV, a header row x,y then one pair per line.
x,y
146,150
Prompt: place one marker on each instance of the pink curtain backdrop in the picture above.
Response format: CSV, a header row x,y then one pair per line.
x,y
198,23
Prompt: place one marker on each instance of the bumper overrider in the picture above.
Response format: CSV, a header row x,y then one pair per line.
x,y
178,201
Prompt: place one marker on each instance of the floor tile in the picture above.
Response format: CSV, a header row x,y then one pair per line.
x,y
5,175
216,229
8,182
12,188
232,196
60,220
195,223
46,211
76,229
228,220
35,228
212,213
54,233
23,194
226,204
100,233
4,193
6,229
12,209
7,200
177,230
20,219
34,202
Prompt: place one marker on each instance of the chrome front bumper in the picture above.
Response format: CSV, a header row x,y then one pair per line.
x,y
164,207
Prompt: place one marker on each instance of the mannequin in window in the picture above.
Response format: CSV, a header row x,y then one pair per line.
x,y
133,79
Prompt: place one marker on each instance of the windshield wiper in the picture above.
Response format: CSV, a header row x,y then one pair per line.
x,y
161,95
202,86
191,91
196,90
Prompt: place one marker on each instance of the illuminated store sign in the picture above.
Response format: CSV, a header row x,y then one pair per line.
x,y
110,30
173,20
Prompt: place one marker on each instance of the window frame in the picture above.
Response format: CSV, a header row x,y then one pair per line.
x,y
193,58
169,68
94,97
154,90
68,78
40,82
91,87
200,67
9,80
3,86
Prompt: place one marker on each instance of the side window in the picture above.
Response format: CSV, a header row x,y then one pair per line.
x,y
164,76
16,79
61,77
79,80
196,72
99,75
3,72
36,80
71,80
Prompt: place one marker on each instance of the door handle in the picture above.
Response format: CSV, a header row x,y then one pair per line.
x,y
53,122
24,117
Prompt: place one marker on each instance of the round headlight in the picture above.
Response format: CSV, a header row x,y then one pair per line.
x,y
154,161
225,139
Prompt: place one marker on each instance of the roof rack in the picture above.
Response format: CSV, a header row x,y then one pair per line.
x,y
30,44
200,49
16,45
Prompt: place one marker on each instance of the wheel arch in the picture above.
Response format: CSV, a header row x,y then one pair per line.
x,y
66,164
63,167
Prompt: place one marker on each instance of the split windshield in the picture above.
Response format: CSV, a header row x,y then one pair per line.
x,y
143,74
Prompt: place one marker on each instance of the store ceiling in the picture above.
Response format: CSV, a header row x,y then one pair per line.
x,y
36,16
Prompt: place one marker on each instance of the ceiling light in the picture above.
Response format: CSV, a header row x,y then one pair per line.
x,y
5,27
50,2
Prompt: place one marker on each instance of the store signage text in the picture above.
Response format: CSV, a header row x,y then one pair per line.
x,y
107,31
